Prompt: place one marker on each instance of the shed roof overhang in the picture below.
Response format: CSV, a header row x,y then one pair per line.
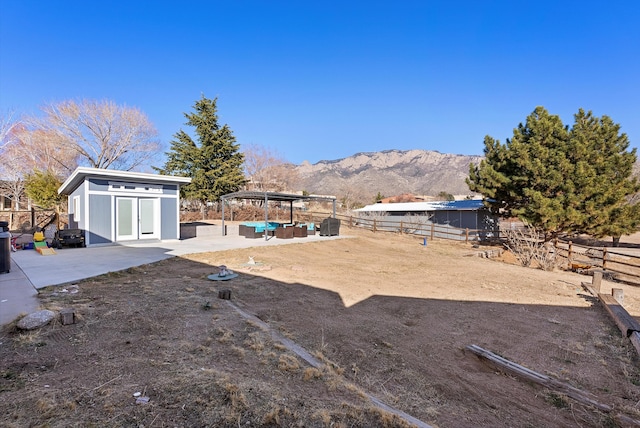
x,y
81,173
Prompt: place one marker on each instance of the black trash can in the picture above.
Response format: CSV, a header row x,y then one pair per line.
x,y
5,247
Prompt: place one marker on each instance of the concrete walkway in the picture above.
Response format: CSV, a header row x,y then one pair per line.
x,y
31,271
17,294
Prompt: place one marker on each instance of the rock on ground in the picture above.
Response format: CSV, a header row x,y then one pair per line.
x,y
36,320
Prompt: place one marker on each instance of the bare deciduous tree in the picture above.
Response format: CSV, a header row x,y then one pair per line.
x,y
267,170
8,122
43,151
352,196
11,182
12,172
101,134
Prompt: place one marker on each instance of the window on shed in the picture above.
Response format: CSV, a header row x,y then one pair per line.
x,y
76,208
134,187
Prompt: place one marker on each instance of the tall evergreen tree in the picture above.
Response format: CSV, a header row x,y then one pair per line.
x,y
603,170
214,163
530,176
560,180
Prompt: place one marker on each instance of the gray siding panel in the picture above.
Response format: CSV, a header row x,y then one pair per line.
x,y
101,214
469,219
169,219
96,184
170,189
79,191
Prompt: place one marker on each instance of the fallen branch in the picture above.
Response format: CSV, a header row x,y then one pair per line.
x,y
107,382
561,387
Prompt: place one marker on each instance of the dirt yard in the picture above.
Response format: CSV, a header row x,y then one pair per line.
x,y
385,317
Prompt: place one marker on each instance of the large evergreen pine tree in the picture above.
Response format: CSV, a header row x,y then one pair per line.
x,y
560,180
530,176
215,164
603,169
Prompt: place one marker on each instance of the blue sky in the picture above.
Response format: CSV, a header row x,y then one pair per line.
x,y
325,80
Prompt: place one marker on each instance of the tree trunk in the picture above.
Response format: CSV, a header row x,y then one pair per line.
x,y
616,241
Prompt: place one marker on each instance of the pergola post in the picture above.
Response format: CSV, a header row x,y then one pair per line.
x,y
266,217
291,211
222,199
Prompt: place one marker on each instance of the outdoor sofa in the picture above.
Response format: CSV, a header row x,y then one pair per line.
x,y
256,229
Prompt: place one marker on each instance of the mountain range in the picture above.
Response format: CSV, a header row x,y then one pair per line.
x,y
389,173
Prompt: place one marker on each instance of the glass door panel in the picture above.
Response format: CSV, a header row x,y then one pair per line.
x,y
147,218
125,219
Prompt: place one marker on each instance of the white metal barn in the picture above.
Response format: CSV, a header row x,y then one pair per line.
x,y
465,214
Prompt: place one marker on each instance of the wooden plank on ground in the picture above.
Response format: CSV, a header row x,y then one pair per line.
x,y
561,387
540,379
625,322
589,288
635,341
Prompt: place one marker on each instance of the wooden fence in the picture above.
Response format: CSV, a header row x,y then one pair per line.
x,y
26,221
414,226
622,266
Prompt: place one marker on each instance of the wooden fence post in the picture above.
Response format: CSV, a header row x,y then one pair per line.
x,y
350,221
433,227
604,257
400,227
374,224
569,253
618,294
597,280
466,235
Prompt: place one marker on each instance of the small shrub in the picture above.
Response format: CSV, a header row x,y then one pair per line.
x,y
225,335
288,363
529,248
557,400
311,373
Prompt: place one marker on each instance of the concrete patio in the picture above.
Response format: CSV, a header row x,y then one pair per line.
x,y
31,271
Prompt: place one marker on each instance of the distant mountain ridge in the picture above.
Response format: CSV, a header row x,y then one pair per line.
x,y
389,172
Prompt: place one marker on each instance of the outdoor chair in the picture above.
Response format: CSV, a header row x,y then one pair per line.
x,y
300,231
284,232
253,232
311,228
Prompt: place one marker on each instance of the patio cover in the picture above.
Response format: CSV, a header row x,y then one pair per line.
x,y
274,196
